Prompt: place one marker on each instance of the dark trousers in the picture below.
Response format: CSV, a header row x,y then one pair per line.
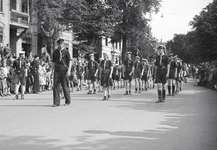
x,y
60,77
36,82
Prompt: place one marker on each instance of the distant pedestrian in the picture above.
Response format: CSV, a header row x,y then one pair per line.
x,y
61,65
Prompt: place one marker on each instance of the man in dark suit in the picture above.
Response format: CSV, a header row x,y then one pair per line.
x,y
61,66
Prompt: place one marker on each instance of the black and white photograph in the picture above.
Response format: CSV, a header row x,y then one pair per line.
x,y
108,74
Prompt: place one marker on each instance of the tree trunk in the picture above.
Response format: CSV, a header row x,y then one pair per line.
x,y
124,47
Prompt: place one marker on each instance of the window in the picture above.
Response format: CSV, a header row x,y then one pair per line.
x,y
25,6
1,5
1,34
1,39
106,41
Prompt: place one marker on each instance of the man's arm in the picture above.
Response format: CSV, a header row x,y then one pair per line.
x,y
111,71
168,69
133,68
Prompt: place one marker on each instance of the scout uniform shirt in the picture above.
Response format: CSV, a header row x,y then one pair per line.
x,y
138,67
92,66
162,62
128,66
61,58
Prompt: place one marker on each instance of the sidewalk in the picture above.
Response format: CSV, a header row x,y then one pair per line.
x,y
185,122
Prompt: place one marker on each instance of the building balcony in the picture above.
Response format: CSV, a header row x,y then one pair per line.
x,y
19,19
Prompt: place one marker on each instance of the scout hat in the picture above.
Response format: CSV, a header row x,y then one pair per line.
x,y
143,59
161,47
137,57
91,54
59,40
36,56
175,56
171,54
21,52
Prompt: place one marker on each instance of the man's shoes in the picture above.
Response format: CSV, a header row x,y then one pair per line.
x,y
159,101
129,92
55,105
66,104
109,97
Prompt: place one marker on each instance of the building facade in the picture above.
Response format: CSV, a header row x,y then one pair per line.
x,y
4,22
18,26
113,50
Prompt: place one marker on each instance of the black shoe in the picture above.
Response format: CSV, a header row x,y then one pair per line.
x,y
66,104
126,93
104,98
169,95
94,92
55,105
129,92
89,92
158,101
109,97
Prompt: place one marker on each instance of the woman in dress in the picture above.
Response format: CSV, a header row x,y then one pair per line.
x,y
106,76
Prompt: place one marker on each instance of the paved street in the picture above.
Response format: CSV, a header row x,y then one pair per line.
x,y
187,121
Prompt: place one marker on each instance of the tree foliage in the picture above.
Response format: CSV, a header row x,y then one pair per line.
x,y
92,19
200,44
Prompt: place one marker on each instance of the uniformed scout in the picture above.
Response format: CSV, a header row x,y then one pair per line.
x,y
180,75
116,76
80,71
99,77
144,74
137,74
172,75
19,79
177,78
92,67
106,76
61,66
162,72
128,73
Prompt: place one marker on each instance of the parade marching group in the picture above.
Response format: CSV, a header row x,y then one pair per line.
x,y
36,74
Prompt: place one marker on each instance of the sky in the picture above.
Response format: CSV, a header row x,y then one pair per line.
x,y
176,17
